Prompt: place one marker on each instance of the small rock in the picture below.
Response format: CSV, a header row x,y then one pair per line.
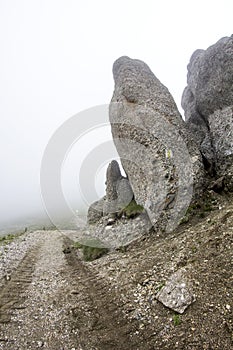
x,y
7,277
40,344
177,293
110,221
67,250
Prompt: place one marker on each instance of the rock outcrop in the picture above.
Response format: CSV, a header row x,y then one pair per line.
x,y
208,104
95,211
161,160
166,159
118,190
118,195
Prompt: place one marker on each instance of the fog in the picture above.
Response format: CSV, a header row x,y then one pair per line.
x,y
56,61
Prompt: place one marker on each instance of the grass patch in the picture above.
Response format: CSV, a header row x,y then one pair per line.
x,y
191,211
194,249
159,287
93,253
132,209
7,239
208,206
122,249
200,208
185,219
92,249
77,245
176,319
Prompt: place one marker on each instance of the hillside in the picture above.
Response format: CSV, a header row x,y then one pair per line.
x,y
51,299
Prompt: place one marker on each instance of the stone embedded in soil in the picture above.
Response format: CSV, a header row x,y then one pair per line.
x,y
177,294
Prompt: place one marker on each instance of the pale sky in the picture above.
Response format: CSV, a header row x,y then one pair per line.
x,y
56,60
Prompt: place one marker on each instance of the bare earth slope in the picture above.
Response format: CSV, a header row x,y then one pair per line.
x,y
52,300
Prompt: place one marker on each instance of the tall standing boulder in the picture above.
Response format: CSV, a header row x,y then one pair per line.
x,y
208,104
158,154
118,195
118,190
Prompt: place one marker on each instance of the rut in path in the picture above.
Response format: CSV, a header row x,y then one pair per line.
x,y
98,311
10,294
55,301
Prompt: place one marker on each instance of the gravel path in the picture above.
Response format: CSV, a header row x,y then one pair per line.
x,y
52,300
41,321
12,254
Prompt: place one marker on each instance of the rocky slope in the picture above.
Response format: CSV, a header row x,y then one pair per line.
x,y
51,299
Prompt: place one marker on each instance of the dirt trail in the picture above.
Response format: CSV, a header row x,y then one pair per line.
x,y
54,301
11,294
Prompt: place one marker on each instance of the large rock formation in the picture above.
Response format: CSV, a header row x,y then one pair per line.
x,y
208,104
158,154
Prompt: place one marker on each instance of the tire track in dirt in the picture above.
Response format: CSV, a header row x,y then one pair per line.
x,y
86,314
15,285
98,311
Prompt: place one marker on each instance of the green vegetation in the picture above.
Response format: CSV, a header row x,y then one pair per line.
x,y
176,319
199,208
208,206
192,209
194,249
159,286
185,219
92,249
93,253
132,209
7,239
122,249
4,240
77,245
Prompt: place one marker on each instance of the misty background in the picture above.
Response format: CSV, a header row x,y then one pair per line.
x,y
56,61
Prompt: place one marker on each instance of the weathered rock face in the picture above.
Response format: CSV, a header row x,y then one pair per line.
x,y
208,101
158,154
221,132
118,190
118,195
95,211
177,294
113,176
